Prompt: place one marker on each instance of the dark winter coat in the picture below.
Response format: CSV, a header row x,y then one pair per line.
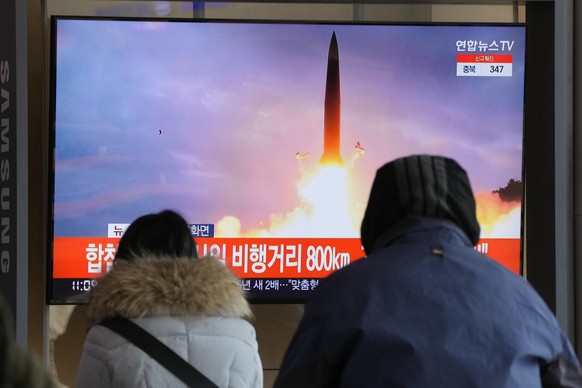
x,y
425,309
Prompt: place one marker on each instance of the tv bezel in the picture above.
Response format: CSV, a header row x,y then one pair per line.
x,y
50,299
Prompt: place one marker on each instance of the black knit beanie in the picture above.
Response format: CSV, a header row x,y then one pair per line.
x,y
419,185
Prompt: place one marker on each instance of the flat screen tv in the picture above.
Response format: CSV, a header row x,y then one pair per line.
x,y
266,137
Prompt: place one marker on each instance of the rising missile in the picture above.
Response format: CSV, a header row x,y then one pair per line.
x,y
331,119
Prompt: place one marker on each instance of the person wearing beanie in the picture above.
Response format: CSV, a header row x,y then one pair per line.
x,y
424,308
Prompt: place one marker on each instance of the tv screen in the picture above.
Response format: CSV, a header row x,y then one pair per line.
x,y
266,137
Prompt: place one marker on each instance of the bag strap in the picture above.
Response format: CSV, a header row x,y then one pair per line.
x,y
158,351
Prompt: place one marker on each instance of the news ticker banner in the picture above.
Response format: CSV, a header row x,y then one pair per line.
x,y
90,257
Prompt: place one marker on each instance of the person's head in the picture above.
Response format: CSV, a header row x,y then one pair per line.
x,y
419,185
161,234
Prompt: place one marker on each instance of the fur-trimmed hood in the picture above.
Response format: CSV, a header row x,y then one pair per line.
x,y
153,286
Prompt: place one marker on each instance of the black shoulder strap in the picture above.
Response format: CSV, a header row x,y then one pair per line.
x,y
158,351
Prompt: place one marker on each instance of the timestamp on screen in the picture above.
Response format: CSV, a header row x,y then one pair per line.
x,y
83,285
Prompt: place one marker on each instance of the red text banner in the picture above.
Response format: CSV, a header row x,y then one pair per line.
x,y
487,58
92,257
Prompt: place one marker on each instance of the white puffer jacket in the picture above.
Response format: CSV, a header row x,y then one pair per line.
x,y
194,306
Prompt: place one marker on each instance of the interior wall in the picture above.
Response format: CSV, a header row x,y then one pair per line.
x,y
577,108
37,81
275,324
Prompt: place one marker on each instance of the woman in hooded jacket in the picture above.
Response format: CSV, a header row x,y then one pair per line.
x,y
194,306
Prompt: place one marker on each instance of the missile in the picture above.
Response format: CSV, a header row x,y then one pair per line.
x,y
331,119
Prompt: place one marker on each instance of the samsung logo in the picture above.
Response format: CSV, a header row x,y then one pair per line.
x,y
4,167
